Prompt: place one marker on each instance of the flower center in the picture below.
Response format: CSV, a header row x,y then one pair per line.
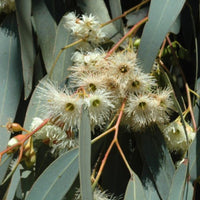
x,y
96,102
142,105
92,87
123,69
69,107
135,83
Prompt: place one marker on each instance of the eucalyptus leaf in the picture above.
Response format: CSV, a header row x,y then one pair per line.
x,y
4,165
178,183
23,8
57,179
155,154
189,191
194,150
63,38
116,10
34,108
148,184
162,14
10,74
45,29
13,184
194,159
134,190
134,17
175,27
85,155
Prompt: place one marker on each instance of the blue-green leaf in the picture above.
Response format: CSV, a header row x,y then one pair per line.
x,y
23,8
194,150
154,152
175,27
116,10
134,190
57,179
46,30
189,191
63,38
14,184
85,155
162,15
10,74
178,183
34,109
148,184
194,158
4,164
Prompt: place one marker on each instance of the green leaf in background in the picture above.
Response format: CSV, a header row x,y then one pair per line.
x,y
63,38
10,194
175,27
194,150
23,8
57,179
85,155
5,162
189,191
34,109
98,9
46,30
178,183
148,184
134,190
154,152
10,74
116,10
162,15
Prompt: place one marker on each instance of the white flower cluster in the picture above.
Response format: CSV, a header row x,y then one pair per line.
x,y
54,136
102,83
175,136
86,27
122,76
64,108
7,6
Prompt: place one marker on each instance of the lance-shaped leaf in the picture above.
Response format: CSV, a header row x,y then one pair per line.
x,y
162,15
23,8
154,152
34,108
45,30
178,183
85,155
116,10
134,189
148,184
4,164
57,179
194,150
10,194
10,74
63,38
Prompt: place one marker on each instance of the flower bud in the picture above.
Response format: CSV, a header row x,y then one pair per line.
x,y
30,161
14,141
14,127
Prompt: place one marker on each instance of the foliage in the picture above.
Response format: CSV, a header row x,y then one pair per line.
x,y
102,156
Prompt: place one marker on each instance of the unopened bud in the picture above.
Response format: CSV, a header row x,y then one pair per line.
x,y
30,161
14,141
14,127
